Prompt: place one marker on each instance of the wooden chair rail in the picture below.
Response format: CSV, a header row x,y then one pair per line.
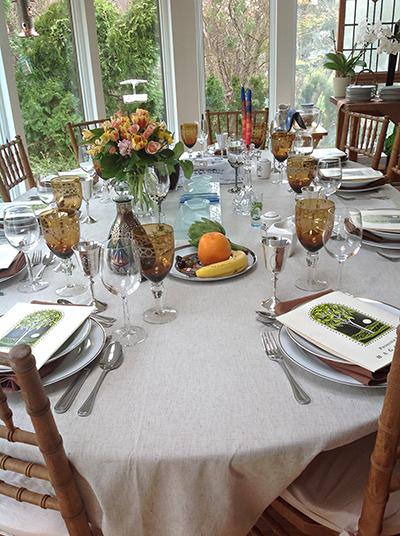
x,y
31,470
14,167
229,121
18,436
28,496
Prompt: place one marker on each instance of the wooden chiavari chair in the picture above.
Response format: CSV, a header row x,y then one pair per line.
x,y
75,133
393,169
384,479
57,469
364,135
14,167
230,122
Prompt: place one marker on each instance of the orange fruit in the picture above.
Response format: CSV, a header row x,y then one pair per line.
x,y
213,247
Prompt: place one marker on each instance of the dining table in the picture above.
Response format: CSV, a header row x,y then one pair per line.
x,y
197,432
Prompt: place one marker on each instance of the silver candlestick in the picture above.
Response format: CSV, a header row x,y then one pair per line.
x,y
88,255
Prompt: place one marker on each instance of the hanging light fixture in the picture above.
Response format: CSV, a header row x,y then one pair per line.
x,y
26,18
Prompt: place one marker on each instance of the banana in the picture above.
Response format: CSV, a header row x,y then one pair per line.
x,y
236,263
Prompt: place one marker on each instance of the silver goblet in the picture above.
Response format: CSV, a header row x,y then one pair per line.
x,y
275,251
87,192
88,255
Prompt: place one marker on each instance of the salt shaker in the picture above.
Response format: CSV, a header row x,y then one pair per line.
x,y
267,219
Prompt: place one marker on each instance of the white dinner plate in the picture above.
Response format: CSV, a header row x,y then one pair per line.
x,y
187,250
312,364
70,344
381,245
385,234
357,191
311,348
72,364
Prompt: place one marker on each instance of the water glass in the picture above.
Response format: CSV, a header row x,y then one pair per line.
x,y
120,274
256,209
345,239
22,231
329,175
85,160
87,192
236,160
156,183
275,252
44,189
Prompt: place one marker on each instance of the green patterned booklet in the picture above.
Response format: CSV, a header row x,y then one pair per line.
x,y
44,327
359,332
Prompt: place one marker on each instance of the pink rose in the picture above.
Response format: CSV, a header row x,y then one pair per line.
x,y
112,150
149,130
125,147
153,147
134,129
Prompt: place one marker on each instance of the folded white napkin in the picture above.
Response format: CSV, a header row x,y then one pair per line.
x,y
7,255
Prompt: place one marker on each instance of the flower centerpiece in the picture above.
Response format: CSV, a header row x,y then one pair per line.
x,y
123,147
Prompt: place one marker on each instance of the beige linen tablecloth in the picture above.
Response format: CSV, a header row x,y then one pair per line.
x,y
198,432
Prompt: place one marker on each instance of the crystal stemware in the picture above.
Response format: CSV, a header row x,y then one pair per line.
x,y
61,232
85,160
300,170
44,189
314,220
202,137
281,145
236,160
67,192
120,274
87,192
345,238
157,248
156,183
88,255
189,133
22,231
275,251
329,175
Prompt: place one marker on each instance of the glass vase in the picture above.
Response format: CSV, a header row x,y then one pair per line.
x,y
142,203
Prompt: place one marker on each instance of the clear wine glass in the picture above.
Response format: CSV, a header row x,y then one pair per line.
x,y
22,231
329,175
120,274
202,137
236,160
156,183
345,238
85,160
44,189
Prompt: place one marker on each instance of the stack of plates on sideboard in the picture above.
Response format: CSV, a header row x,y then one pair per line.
x,y
360,93
390,93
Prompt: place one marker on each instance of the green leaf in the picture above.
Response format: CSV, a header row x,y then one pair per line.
x,y
179,149
331,65
187,167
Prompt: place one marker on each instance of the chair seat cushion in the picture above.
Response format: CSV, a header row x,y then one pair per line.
x,y
23,519
330,490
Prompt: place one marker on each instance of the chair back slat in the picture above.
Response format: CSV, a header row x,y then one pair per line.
x,y
6,415
75,133
28,469
364,135
18,436
395,483
57,468
383,458
230,122
25,495
393,169
14,167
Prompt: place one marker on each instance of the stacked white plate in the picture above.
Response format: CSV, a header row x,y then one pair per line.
x,y
306,355
354,177
383,224
356,93
390,93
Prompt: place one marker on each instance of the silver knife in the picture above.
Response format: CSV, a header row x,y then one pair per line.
x,y
65,401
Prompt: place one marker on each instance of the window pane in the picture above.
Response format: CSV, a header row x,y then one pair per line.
x,y
46,76
315,23
236,52
129,44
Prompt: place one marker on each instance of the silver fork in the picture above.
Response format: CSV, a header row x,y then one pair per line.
x,y
273,353
35,260
46,261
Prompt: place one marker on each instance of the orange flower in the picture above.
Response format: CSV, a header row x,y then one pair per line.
x,y
153,147
138,142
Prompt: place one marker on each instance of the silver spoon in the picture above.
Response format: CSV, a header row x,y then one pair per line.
x,y
110,360
108,319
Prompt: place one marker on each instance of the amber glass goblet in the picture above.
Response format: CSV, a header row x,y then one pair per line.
x,y
281,145
157,248
61,232
314,224
300,171
189,133
67,192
